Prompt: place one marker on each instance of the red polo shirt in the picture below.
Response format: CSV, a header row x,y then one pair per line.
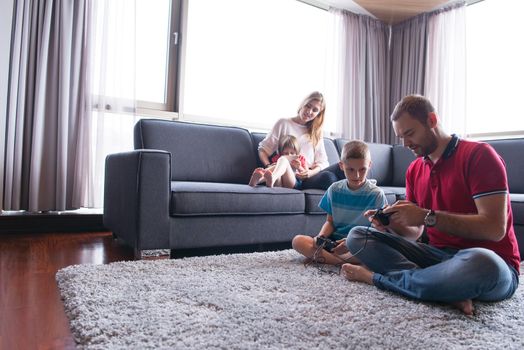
x,y
467,170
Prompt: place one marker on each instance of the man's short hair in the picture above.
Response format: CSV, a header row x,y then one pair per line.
x,y
355,150
416,106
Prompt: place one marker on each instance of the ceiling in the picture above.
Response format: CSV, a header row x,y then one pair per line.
x,y
388,11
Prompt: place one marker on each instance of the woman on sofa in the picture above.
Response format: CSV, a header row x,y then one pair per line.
x,y
306,126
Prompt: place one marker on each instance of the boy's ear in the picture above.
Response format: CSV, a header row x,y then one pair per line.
x,y
341,165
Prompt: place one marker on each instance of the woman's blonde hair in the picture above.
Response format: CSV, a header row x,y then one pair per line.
x,y
288,141
314,127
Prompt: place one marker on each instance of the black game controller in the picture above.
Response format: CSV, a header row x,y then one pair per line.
x,y
326,243
382,217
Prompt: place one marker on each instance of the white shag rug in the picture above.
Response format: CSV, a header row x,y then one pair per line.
x,y
265,301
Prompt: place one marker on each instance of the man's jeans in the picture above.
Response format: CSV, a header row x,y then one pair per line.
x,y
420,271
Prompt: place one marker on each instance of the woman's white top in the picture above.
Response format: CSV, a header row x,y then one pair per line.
x,y
286,126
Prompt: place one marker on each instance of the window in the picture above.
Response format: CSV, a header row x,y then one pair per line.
x,y
249,63
136,55
157,51
134,67
246,62
152,40
495,69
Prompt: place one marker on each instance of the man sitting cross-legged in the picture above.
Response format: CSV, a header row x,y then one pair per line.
x,y
457,190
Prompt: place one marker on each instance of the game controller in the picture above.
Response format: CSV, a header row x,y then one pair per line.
x,y
326,243
382,217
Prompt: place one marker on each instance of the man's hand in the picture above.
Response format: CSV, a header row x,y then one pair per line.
x,y
406,213
369,214
406,219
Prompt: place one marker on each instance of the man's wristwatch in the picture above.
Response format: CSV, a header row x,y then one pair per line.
x,y
431,219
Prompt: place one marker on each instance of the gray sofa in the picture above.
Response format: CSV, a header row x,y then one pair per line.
x,y
185,187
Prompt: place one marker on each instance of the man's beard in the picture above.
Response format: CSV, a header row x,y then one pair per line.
x,y
427,149
430,147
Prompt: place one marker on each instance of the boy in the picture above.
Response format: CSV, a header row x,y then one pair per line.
x,y
345,202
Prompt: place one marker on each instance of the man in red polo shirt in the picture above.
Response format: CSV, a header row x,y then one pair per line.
x,y
458,191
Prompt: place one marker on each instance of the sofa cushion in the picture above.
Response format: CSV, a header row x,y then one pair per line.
x,y
511,152
402,158
313,197
339,143
257,137
394,194
517,207
381,163
331,151
200,152
208,198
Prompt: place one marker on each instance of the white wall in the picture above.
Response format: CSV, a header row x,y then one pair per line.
x,y
6,14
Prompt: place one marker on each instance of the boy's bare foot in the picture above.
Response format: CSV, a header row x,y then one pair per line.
x,y
255,178
466,306
268,176
357,273
307,261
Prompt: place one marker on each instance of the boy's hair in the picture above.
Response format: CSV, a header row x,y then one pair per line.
x,y
355,150
417,106
288,141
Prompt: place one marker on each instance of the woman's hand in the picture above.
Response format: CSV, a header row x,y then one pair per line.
x,y
306,174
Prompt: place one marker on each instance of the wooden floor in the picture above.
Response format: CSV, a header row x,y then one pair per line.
x,y
31,312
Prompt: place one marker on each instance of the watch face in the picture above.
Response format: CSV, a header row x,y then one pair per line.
x,y
431,219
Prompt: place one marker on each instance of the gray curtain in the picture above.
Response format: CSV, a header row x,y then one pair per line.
x,y
408,57
6,16
375,70
362,103
47,129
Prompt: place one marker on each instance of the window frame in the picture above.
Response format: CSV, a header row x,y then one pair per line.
x,y
171,107
182,114
493,135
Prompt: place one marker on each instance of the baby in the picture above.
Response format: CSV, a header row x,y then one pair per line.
x,y
284,165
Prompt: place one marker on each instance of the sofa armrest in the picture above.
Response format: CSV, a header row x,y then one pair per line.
x,y
136,198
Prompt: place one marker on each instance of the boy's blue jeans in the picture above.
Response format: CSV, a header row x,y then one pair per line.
x,y
420,271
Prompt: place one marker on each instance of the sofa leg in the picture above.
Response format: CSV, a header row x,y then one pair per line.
x,y
137,254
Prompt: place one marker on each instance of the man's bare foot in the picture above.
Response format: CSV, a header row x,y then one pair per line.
x,y
268,176
357,273
466,306
255,178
